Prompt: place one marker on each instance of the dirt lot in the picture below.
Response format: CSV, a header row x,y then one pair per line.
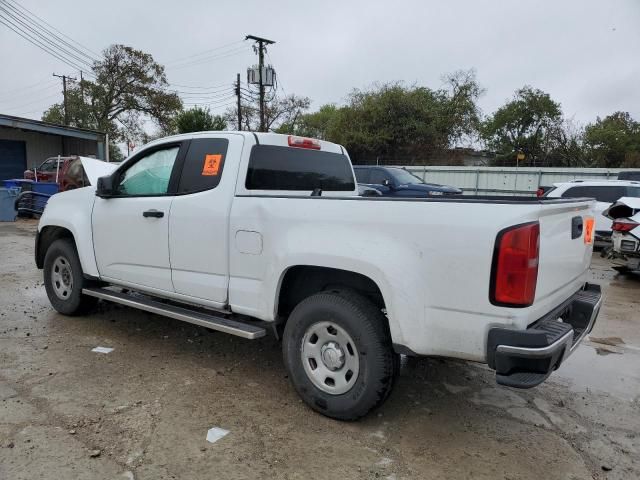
x,y
143,410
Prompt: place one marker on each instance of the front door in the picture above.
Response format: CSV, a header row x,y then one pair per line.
x,y
131,229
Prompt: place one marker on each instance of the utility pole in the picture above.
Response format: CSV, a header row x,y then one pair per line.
x,y
262,43
238,95
64,95
81,86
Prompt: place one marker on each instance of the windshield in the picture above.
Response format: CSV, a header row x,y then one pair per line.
x,y
402,177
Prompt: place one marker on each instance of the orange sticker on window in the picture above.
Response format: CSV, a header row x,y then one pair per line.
x,y
211,165
589,223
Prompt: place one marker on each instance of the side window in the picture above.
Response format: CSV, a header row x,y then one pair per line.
x,y
606,194
362,175
575,192
149,175
49,165
203,165
378,176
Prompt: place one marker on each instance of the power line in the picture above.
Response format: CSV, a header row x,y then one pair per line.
x,y
93,54
22,105
198,87
27,24
44,48
180,60
27,92
210,59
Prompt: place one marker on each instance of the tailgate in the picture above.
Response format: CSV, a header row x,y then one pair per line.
x,y
565,250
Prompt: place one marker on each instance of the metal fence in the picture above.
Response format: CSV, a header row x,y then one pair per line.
x,y
508,180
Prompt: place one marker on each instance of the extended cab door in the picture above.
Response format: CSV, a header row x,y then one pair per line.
x,y
131,228
199,220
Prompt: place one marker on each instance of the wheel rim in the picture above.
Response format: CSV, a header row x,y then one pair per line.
x,y
330,357
62,278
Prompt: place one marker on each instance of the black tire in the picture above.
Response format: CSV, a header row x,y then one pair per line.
x,y
367,326
74,302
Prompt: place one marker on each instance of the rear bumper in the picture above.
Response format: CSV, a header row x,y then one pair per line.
x,y
526,358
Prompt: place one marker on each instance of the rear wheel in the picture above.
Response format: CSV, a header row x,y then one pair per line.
x,y
337,349
64,279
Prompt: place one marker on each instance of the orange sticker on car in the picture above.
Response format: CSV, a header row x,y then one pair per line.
x,y
589,223
211,165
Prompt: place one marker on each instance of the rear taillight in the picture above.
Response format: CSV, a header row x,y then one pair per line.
x,y
515,266
623,225
302,142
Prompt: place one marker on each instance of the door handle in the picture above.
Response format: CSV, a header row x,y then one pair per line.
x,y
153,213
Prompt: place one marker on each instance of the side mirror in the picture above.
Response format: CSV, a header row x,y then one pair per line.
x,y
104,188
386,182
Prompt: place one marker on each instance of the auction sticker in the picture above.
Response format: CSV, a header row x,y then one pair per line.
x,y
211,165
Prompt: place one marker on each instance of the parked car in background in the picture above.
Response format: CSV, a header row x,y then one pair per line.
x,y
629,175
605,192
48,170
625,215
398,182
66,171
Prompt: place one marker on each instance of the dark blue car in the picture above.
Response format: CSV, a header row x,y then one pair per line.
x,y
398,182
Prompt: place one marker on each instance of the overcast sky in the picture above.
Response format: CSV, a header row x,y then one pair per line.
x,y
585,53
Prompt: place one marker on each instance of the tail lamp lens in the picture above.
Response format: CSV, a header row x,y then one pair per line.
x,y
623,226
515,266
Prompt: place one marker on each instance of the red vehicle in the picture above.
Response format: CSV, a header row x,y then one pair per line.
x,y
68,170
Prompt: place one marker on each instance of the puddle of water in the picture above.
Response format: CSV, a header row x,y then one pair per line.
x,y
618,375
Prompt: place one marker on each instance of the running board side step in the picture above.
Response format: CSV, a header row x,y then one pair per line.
x,y
226,325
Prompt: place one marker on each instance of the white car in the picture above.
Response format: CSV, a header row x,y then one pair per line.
x,y
605,193
625,214
249,233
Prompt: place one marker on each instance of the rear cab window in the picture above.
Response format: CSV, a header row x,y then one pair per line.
x,y
279,168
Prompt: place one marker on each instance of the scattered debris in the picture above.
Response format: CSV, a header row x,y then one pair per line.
x,y
613,341
102,350
606,351
214,434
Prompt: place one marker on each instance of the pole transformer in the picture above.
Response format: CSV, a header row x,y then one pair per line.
x,y
262,43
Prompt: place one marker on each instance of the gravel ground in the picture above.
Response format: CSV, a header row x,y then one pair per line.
x,y
143,410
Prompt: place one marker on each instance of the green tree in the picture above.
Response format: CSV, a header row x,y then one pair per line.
x,y
396,123
128,89
614,141
198,119
523,124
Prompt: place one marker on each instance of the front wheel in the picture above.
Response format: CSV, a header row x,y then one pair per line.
x,y
64,279
337,349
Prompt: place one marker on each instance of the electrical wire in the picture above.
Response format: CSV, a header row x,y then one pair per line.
x,y
37,44
210,59
9,96
28,28
21,106
93,55
180,60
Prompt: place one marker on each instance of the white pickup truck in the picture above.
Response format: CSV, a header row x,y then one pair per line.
x,y
247,233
